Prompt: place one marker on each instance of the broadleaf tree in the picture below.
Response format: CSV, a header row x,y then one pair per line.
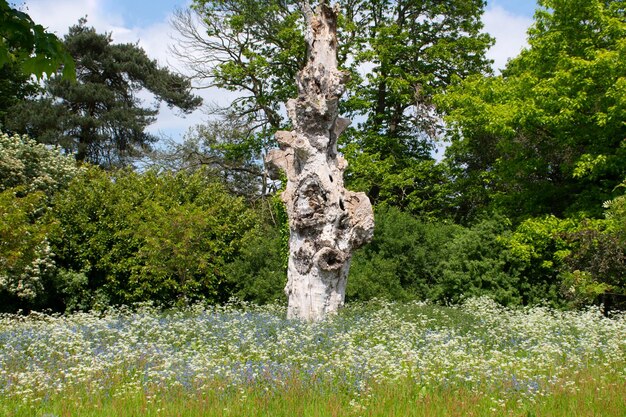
x,y
399,53
29,46
547,136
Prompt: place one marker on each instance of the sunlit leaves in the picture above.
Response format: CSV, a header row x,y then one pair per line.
x,y
25,254
24,42
555,108
398,54
160,237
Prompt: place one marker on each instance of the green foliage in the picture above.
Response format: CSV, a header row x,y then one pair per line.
x,y
259,273
15,86
547,136
616,211
33,166
402,260
536,237
30,174
414,49
27,44
411,49
99,118
257,48
25,254
476,262
539,246
224,148
164,238
582,289
596,264
414,258
419,186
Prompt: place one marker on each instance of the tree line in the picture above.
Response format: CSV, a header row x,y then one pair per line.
x,y
527,205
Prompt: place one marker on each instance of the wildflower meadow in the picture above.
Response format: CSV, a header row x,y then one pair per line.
x,y
372,359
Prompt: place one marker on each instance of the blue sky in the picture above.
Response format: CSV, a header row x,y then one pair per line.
x,y
516,7
147,22
142,12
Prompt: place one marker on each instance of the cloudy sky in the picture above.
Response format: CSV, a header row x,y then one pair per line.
x,y
147,22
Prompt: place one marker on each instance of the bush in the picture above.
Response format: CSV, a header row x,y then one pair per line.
x,y
25,255
259,273
126,237
412,258
401,261
33,166
30,174
477,262
540,247
595,267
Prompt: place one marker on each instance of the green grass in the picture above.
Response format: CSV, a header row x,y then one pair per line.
x,y
592,393
376,359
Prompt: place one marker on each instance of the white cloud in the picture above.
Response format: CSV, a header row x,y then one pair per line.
x,y
58,15
509,31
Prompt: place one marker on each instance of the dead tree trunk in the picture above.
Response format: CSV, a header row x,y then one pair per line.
x,y
326,221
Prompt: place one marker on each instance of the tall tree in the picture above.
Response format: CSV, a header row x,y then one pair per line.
x,y
15,86
99,118
399,53
547,136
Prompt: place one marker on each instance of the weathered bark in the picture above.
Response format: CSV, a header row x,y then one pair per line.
x,y
326,221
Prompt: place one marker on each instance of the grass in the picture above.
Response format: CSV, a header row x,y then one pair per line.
x,y
380,359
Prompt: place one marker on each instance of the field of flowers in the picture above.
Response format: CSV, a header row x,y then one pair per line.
x,y
246,360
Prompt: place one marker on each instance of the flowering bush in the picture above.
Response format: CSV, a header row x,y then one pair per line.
x,y
25,254
30,172
32,165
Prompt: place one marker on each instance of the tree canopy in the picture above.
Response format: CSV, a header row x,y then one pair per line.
x,y
547,135
398,54
99,118
28,45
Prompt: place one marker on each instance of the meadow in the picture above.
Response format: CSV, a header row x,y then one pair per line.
x,y
372,359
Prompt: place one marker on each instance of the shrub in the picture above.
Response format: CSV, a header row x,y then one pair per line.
x,y
401,261
30,173
33,166
478,262
165,238
595,268
259,273
25,255
540,246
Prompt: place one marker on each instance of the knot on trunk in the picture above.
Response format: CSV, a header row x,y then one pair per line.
x,y
310,203
329,259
